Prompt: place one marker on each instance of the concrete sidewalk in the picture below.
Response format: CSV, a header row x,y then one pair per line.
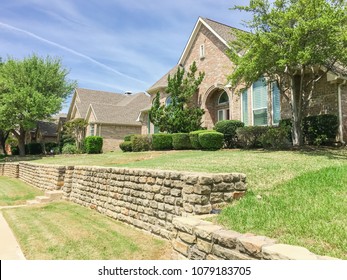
x,y
9,247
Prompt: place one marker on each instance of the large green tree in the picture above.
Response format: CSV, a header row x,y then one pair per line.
x,y
294,43
180,114
31,89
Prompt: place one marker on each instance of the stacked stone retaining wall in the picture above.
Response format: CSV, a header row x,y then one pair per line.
x,y
9,169
197,239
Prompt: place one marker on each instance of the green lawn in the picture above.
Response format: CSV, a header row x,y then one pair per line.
x,y
303,193
15,192
66,231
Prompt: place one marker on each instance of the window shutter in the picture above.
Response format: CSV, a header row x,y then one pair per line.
x,y
276,104
245,107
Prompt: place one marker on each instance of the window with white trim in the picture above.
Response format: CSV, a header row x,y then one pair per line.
x,y
259,97
223,114
244,104
168,101
92,129
276,104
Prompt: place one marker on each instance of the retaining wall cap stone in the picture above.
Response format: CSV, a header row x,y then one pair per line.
x,y
287,252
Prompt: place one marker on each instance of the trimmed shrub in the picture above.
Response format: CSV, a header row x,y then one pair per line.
x,y
162,141
181,141
128,137
70,149
140,143
50,146
126,146
194,139
228,128
250,136
33,148
93,144
211,140
321,129
276,138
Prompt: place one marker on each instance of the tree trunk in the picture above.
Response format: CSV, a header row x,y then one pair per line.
x,y
296,102
3,137
21,140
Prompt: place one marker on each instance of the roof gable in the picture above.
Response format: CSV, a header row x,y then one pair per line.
x,y
220,30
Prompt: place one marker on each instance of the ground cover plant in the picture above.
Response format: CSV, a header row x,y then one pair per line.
x,y
15,192
66,231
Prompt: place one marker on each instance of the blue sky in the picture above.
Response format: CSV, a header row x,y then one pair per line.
x,y
111,45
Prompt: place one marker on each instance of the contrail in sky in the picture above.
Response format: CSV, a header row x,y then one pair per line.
x,y
7,26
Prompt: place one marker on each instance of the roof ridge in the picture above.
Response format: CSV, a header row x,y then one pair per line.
x,y
221,23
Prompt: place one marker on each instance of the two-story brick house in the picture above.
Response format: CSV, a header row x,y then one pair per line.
x,y
261,104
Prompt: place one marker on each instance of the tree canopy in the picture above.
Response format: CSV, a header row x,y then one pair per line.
x,y
180,114
294,43
31,89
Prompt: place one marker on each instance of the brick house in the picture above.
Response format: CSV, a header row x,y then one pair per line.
x,y
109,115
261,104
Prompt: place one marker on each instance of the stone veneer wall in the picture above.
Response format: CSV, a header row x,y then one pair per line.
x,y
196,239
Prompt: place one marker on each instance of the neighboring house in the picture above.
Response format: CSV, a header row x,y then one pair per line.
x,y
109,115
46,132
261,104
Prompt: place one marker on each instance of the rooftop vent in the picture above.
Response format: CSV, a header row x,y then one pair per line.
x,y
128,93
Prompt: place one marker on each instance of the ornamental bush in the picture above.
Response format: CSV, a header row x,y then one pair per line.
x,y
126,146
70,149
180,141
93,144
276,138
194,139
140,143
250,136
321,129
161,141
211,140
128,137
228,128
33,149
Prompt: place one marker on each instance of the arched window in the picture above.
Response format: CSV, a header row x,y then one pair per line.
x,y
223,98
168,101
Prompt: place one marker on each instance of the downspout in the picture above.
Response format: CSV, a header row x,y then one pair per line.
x,y
339,99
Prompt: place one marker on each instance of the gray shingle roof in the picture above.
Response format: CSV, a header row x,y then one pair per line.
x,y
47,128
124,112
162,82
223,30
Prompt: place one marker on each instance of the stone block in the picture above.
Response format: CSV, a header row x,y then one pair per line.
x,y
202,189
206,229
204,246
229,254
226,238
202,209
188,238
205,180
252,244
196,254
287,252
186,224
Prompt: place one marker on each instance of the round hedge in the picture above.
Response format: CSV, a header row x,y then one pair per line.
x,y
126,146
180,141
194,139
161,141
211,140
93,144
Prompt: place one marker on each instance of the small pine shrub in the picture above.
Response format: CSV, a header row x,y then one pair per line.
x,y
93,144
194,139
211,140
228,128
126,146
161,141
181,141
140,143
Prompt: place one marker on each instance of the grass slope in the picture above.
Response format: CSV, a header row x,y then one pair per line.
x,y
15,192
65,231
